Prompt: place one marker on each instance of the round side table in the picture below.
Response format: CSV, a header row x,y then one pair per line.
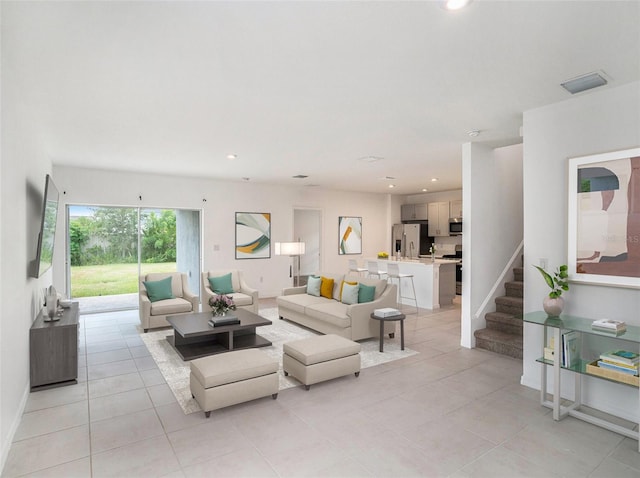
x,y
392,318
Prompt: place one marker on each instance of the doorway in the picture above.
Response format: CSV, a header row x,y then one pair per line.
x,y
110,247
307,228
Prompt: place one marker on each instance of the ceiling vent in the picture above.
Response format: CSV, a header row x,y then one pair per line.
x,y
300,176
584,83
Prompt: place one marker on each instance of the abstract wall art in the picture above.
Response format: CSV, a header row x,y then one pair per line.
x,y
253,235
349,235
604,219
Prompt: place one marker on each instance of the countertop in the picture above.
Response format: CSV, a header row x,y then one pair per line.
x,y
425,261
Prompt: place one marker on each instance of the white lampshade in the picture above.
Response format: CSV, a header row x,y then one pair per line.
x,y
289,248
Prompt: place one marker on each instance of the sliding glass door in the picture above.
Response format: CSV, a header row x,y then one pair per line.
x,y
109,247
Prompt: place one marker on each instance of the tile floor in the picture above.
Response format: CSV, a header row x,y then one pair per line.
x,y
447,411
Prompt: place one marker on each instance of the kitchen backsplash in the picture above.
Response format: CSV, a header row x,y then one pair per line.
x,y
447,245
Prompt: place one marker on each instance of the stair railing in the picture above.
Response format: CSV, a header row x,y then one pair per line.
x,y
493,293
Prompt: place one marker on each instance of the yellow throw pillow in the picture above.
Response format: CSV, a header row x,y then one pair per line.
x,y
326,287
342,286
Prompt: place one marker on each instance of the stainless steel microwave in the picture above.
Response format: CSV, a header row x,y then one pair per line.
x,y
455,226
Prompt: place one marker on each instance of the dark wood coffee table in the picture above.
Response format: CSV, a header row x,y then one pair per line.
x,y
193,337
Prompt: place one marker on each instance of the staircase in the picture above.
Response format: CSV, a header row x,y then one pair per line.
x,y
503,334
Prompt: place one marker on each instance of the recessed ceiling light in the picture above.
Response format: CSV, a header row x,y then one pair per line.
x,y
392,186
370,159
424,190
454,4
584,82
473,133
300,176
433,180
232,156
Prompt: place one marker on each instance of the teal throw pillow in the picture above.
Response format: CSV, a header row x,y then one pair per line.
x,y
349,293
221,285
313,285
366,293
159,289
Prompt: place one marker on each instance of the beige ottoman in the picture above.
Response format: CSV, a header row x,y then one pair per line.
x,y
321,358
233,377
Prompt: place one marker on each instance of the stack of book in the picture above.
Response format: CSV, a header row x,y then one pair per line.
x,y
620,361
570,352
386,312
609,325
224,320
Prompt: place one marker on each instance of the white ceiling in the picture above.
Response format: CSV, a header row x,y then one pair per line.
x,y
301,88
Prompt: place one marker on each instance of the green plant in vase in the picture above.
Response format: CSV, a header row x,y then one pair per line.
x,y
558,281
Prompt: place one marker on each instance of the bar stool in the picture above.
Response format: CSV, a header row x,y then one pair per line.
x,y
353,267
374,269
393,272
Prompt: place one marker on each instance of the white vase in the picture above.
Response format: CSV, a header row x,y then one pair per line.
x,y
52,302
553,307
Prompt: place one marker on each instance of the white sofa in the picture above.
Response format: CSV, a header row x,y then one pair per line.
x,y
330,316
244,297
154,314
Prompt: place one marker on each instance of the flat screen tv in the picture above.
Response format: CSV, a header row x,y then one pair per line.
x,y
47,235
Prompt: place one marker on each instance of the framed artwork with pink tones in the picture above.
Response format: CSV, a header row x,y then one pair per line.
x,y
604,219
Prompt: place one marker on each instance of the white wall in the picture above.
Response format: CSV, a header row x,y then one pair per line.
x,y
223,200
594,122
422,198
23,166
493,225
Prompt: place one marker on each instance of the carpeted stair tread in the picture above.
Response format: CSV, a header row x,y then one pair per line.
x,y
514,288
510,305
505,318
504,322
518,274
499,342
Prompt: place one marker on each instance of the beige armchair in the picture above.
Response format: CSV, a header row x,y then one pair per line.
x,y
243,296
154,314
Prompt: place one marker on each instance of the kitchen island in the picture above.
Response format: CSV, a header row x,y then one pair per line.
x,y
435,281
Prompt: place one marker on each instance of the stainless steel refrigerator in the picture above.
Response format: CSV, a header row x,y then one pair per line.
x,y
412,240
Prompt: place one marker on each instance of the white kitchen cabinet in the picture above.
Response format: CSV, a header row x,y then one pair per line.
x,y
455,209
438,218
413,212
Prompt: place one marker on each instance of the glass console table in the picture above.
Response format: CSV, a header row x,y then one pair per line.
x,y
591,344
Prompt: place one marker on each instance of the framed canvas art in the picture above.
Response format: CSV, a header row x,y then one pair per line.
x,y
349,235
253,235
604,219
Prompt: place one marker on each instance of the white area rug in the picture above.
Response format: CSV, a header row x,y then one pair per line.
x,y
176,371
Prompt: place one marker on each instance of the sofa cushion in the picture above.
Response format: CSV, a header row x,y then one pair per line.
x,y
349,294
313,285
171,306
331,312
337,280
299,302
159,289
379,284
366,293
240,299
222,284
326,287
176,281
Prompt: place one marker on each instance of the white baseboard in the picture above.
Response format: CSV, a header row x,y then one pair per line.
x,y
6,445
